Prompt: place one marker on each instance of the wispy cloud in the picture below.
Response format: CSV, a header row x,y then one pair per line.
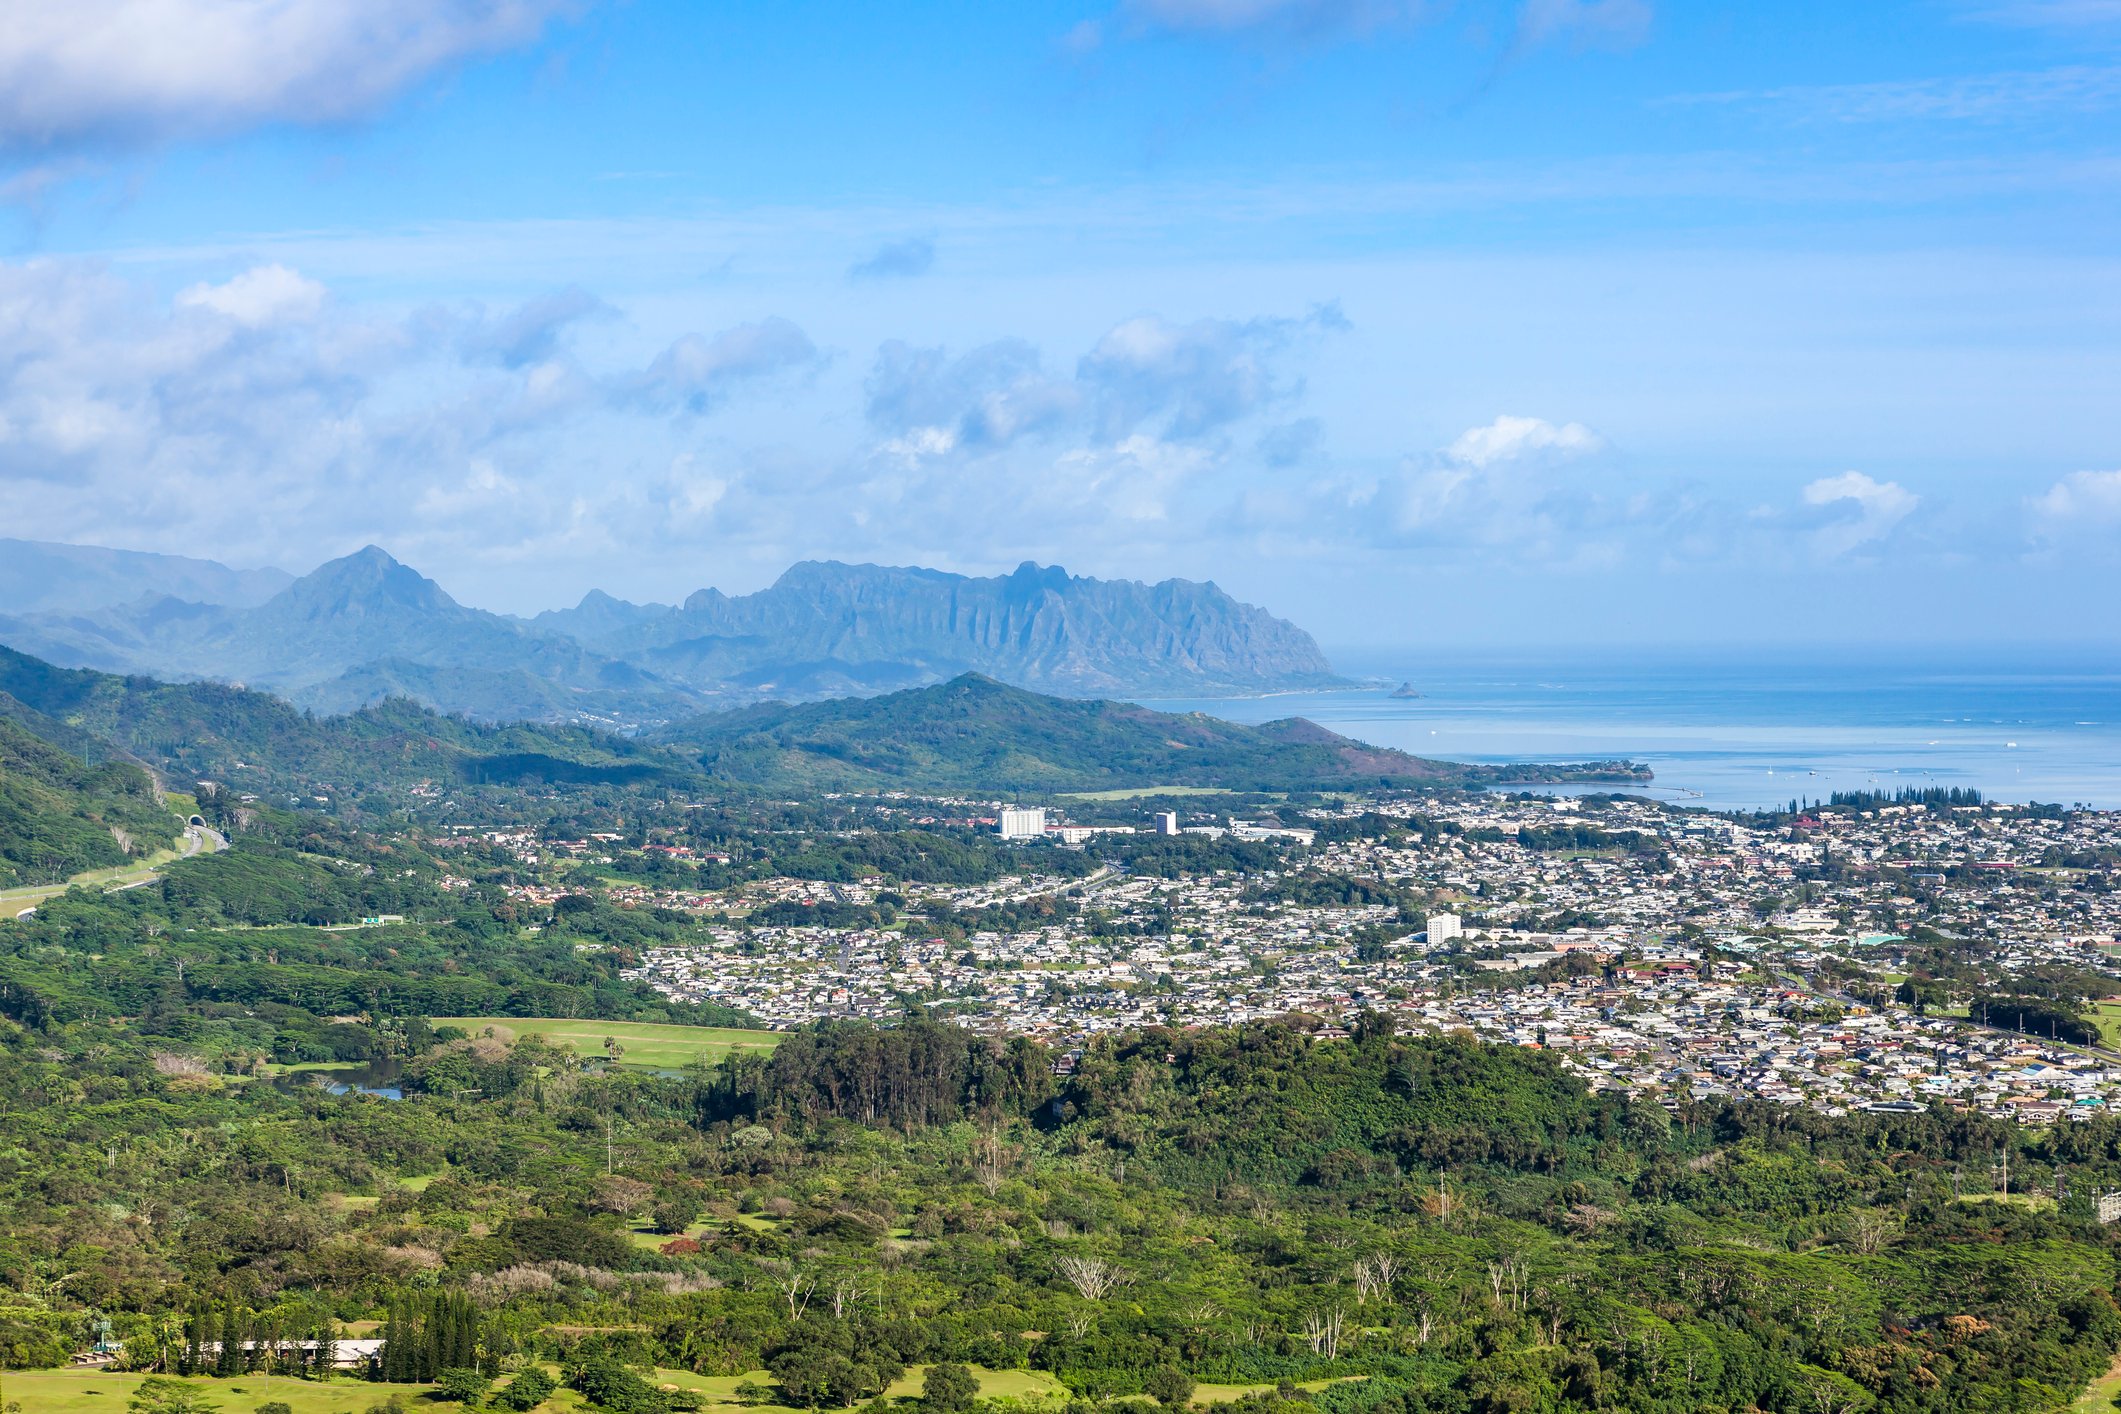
x,y
1615,23
896,260
696,372
1532,22
2051,14
1314,17
1996,97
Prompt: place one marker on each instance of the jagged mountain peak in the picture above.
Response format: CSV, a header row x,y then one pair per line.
x,y
366,624
369,579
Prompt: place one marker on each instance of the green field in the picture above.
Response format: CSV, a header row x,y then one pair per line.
x,y
2106,1015
648,1045
2101,1393
104,1392
100,1392
1139,792
993,1384
2037,1202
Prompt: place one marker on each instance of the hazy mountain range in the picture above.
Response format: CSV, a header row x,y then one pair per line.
x,y
365,627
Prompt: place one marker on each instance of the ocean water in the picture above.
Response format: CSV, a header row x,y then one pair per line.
x,y
1731,733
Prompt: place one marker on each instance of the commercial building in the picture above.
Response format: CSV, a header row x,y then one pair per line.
x,y
1444,928
1019,823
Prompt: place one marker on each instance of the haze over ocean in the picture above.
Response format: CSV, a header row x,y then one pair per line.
x,y
1732,731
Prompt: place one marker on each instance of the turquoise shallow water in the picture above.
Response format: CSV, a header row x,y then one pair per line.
x,y
1736,734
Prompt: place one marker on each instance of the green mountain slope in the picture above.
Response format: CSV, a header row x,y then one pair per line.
x,y
970,734
60,816
253,741
975,734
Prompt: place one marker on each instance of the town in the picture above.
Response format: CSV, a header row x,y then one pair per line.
x,y
1791,958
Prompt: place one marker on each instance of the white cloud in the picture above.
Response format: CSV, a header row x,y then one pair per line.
x,y
258,418
1508,439
1135,479
2080,500
261,296
1145,375
1862,510
126,71
1495,484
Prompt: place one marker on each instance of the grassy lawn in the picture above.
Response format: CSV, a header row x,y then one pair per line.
x,y
2100,1394
993,1384
2038,1202
1226,1394
102,1392
2107,1017
649,1045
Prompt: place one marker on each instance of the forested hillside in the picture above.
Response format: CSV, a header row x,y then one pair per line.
x,y
273,923
1423,1224
970,734
973,733
252,740
61,816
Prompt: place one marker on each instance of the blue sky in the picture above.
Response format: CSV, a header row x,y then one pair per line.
x,y
1520,321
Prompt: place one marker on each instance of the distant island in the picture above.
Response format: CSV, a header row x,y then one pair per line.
x,y
1405,690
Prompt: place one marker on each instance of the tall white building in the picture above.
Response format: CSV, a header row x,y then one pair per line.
x,y
1019,823
1167,822
1444,928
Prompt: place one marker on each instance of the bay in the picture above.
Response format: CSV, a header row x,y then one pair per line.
x,y
1730,731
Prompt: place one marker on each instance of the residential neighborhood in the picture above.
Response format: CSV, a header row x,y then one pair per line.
x,y
1654,949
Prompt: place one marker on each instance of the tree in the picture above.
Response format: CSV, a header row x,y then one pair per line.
x,y
526,1391
159,1394
230,1360
948,1389
812,1378
1170,1387
463,1384
1092,1277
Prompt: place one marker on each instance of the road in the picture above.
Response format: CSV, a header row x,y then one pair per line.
x,y
197,839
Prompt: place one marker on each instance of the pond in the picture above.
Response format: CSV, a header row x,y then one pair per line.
x,y
377,1077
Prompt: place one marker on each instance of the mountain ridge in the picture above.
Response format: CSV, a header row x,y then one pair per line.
x,y
365,626
45,576
1037,627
